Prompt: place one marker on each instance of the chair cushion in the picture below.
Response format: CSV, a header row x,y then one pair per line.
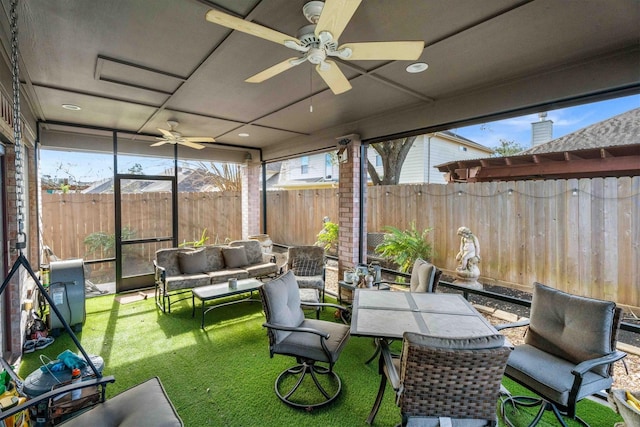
x,y
282,302
146,404
313,282
422,276
569,326
437,422
304,267
192,262
315,253
308,345
235,256
551,375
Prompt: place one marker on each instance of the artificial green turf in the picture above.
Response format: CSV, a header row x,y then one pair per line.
x,y
223,376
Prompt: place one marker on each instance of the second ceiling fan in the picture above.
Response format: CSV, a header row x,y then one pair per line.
x,y
319,40
172,136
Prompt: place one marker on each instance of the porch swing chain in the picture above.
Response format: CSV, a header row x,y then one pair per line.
x,y
17,128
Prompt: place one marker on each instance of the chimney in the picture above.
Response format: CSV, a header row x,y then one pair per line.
x,y
541,131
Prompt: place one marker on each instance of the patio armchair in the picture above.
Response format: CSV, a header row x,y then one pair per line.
x,y
308,266
568,352
437,378
424,277
312,342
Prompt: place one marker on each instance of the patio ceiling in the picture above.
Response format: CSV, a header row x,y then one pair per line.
x,y
133,64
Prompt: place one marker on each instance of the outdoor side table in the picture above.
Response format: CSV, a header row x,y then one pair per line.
x,y
222,290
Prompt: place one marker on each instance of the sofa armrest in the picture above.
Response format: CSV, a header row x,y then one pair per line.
x,y
160,273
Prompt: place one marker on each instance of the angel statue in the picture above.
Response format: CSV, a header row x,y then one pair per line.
x,y
468,258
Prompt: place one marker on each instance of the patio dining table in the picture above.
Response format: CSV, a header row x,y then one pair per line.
x,y
388,315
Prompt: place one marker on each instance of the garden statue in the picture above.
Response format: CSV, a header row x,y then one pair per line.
x,y
467,272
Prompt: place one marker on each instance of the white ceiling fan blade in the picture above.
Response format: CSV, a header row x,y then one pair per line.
x,y
199,139
402,50
156,144
247,27
165,132
190,144
333,77
272,71
335,16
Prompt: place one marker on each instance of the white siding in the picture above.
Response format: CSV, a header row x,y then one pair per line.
x,y
426,152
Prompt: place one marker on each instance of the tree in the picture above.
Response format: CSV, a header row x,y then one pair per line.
x,y
225,176
393,154
507,148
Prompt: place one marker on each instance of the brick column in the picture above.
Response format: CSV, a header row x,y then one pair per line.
x,y
250,199
349,203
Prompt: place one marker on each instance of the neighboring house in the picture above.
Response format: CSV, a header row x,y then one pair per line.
x,y
188,181
321,170
607,148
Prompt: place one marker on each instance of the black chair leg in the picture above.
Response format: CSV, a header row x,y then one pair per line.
x,y
528,401
298,374
378,401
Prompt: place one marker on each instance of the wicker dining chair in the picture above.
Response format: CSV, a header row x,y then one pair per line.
x,y
445,378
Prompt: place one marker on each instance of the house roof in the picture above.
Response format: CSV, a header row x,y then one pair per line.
x,y
607,148
623,129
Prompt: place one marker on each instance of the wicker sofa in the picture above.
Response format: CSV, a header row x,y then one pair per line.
x,y
178,270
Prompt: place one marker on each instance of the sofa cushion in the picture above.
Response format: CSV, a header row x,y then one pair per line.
x,y
253,249
215,260
262,269
235,256
304,267
168,259
192,262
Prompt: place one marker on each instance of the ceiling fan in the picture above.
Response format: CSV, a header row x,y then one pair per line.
x,y
172,136
319,40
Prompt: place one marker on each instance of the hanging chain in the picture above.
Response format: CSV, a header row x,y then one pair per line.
x,y
17,129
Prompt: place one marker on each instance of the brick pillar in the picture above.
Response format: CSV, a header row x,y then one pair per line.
x,y
349,204
250,199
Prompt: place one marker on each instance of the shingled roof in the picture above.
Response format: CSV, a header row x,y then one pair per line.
x,y
623,129
607,148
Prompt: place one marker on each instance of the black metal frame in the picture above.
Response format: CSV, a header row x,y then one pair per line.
x,y
99,380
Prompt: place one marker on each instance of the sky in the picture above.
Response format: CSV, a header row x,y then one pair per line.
x,y
88,167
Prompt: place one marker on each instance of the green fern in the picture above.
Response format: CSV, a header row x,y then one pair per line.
x,y
404,247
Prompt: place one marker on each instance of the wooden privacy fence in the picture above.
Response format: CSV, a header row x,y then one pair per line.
x,y
67,219
580,236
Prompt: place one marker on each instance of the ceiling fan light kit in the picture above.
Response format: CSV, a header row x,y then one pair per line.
x,y
319,40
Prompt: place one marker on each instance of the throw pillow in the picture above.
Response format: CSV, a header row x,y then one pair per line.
x,y
304,267
235,256
192,262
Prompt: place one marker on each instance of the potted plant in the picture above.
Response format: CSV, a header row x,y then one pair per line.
x,y
328,237
405,246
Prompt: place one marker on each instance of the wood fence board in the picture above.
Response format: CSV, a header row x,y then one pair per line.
x,y
587,244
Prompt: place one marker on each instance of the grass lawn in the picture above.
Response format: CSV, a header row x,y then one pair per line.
x,y
223,376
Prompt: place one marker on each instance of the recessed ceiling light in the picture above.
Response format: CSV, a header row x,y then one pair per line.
x,y
417,67
71,107
243,135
